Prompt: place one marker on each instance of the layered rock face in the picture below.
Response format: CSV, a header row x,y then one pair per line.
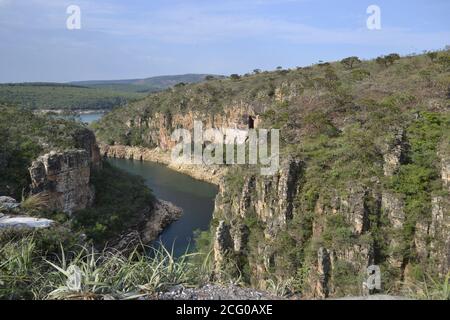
x,y
372,218
159,127
269,200
63,178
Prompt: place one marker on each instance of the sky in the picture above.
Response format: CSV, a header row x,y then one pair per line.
x,y
142,38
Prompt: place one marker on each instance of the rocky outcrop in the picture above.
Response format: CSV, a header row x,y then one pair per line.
x,y
445,170
21,222
324,273
394,153
393,208
85,140
164,213
64,178
8,203
432,235
269,198
157,128
153,220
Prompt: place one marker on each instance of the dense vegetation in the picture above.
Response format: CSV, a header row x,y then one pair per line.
x,y
120,200
40,96
319,95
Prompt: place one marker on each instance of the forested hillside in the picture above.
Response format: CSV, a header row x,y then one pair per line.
x,y
49,96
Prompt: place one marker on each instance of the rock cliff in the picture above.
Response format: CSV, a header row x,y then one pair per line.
x,y
351,228
63,178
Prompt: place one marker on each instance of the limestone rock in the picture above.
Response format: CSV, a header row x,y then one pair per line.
x,y
394,155
164,213
393,207
18,222
8,203
65,179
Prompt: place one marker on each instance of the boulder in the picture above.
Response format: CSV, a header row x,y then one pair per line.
x,y
8,203
17,222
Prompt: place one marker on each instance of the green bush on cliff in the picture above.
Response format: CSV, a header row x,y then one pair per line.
x,y
418,179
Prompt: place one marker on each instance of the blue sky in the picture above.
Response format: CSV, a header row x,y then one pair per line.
x,y
138,38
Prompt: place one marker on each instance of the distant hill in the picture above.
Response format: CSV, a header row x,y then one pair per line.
x,y
88,95
147,85
56,96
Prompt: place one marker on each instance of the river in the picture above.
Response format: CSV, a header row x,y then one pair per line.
x,y
196,198
90,117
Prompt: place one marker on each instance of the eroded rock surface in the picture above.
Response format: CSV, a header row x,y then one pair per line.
x,y
64,179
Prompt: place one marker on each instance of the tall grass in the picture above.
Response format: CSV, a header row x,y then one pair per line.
x,y
17,270
35,203
91,275
430,288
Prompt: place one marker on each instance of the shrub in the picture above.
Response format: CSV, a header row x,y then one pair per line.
x,y
350,62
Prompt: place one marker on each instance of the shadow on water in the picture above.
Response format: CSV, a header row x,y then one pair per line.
x,y
196,198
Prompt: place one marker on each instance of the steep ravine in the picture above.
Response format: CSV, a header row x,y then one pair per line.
x,y
63,180
255,216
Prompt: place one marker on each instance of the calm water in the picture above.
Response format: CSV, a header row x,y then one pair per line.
x,y
89,118
85,118
196,198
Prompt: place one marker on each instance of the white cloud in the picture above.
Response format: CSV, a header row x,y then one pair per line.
x,y
187,22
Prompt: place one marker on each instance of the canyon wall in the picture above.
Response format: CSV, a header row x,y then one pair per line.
x,y
349,229
156,131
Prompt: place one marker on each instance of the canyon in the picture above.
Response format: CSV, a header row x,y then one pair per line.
x,y
354,188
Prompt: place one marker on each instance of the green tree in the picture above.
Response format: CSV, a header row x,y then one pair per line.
x,y
391,58
382,61
432,55
350,62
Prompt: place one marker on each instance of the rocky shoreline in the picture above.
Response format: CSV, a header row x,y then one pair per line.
x,y
152,223
212,174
